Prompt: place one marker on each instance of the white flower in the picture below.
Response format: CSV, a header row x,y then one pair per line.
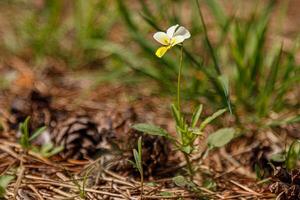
x,y
175,35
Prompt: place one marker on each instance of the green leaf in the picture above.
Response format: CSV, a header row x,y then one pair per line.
x,y
166,194
187,149
54,151
37,133
224,82
221,137
4,181
24,139
133,163
24,126
211,118
278,157
137,160
195,131
210,184
196,115
140,148
46,147
176,115
293,155
180,181
258,171
151,129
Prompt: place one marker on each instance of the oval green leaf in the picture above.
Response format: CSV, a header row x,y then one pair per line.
x,y
221,137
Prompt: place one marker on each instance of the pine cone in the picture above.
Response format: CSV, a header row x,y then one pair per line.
x,y
80,138
287,184
155,154
155,149
278,187
293,193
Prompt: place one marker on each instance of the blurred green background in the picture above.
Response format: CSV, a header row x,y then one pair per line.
x,y
242,54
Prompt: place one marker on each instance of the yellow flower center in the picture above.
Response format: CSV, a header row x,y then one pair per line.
x,y
172,42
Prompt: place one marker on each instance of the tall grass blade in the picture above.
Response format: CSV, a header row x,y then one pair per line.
x,y
269,84
218,12
210,48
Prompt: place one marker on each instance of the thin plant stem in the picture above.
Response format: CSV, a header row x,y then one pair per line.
x,y
179,78
189,166
142,185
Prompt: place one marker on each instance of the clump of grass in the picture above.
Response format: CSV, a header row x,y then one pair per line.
x,y
258,74
72,33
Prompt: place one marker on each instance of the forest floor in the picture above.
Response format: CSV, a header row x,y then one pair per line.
x,y
71,108
93,123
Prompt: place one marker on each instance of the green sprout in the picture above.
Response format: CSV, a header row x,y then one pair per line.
x,y
4,181
26,139
137,154
81,185
291,157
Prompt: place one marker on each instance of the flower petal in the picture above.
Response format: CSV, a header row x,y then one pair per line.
x,y
177,39
161,51
171,30
182,32
162,38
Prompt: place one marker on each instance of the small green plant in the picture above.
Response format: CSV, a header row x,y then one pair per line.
x,y
289,158
48,149
187,133
181,181
293,155
26,139
4,181
138,163
82,185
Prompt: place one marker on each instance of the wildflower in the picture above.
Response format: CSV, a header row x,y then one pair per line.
x,y
175,35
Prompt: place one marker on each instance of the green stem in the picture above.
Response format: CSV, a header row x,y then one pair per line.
x,y
179,79
189,166
187,159
142,185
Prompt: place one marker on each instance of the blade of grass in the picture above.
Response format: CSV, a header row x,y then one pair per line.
x,y
269,85
210,48
218,12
